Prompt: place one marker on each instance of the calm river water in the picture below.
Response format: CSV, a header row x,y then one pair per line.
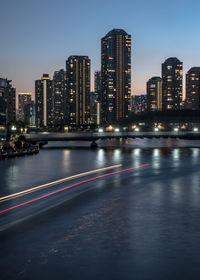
x,y
142,224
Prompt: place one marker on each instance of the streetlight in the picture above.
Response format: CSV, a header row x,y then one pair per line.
x,y
156,129
195,129
137,129
176,129
116,129
100,130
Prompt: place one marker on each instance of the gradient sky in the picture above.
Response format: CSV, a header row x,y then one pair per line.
x,y
37,36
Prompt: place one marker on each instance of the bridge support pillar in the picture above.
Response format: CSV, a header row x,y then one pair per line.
x,y
94,145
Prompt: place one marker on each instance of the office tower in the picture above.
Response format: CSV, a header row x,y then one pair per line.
x,y
78,88
60,101
139,103
44,101
116,75
154,94
29,114
193,89
172,79
23,99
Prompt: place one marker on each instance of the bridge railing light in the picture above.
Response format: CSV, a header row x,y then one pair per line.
x,y
156,129
100,130
195,129
116,129
137,129
176,129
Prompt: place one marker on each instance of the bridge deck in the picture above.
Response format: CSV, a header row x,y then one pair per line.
x,y
93,136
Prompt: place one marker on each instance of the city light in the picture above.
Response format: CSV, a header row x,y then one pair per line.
x,y
13,128
176,129
100,130
156,129
137,129
195,129
116,129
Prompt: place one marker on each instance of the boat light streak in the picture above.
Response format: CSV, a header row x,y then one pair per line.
x,y
72,186
18,194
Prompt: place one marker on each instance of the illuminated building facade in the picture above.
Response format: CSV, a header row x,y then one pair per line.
x,y
138,103
60,104
193,89
44,101
3,84
116,75
78,89
172,82
154,94
23,100
29,114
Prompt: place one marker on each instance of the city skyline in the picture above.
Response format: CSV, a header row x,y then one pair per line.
x,y
28,50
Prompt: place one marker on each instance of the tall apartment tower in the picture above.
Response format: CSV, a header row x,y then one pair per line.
x,y
24,98
97,85
172,82
116,75
193,88
154,94
44,101
78,88
61,111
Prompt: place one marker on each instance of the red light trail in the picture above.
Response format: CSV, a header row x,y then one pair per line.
x,y
69,187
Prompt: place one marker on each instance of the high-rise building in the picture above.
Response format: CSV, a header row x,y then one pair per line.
x,y
172,80
97,85
29,114
154,94
44,101
3,84
116,75
139,103
60,99
24,98
78,88
193,89
95,111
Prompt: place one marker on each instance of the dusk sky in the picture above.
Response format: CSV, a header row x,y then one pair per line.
x,y
38,36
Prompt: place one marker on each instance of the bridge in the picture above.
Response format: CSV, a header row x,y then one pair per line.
x,y
45,137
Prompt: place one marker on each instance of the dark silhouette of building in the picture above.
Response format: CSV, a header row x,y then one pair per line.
x,y
60,99
23,100
193,89
78,89
116,75
154,94
44,101
139,103
172,80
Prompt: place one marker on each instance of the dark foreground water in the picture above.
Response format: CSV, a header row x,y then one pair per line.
x,y
143,224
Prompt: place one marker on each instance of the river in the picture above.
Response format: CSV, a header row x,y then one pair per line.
x,y
140,224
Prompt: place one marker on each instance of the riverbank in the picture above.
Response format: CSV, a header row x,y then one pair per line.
x,y
4,154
